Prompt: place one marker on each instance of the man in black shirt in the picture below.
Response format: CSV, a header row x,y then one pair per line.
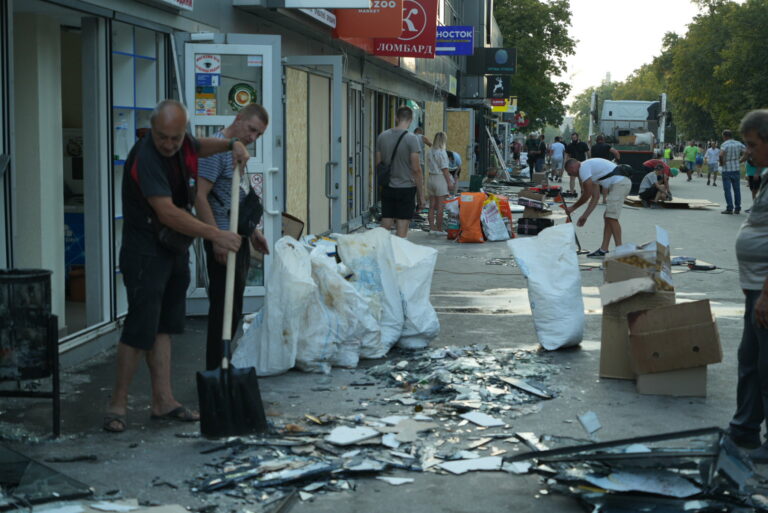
x,y
159,185
576,150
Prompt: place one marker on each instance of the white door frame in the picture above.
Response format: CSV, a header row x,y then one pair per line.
x,y
333,167
270,144
6,133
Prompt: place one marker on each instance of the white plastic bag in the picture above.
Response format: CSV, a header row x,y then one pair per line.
x,y
346,320
493,224
415,266
270,345
550,264
369,255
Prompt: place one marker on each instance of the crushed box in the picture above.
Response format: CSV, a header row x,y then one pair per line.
x,y
539,178
651,259
673,337
532,213
614,346
533,226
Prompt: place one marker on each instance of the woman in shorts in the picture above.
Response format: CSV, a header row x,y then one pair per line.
x,y
438,183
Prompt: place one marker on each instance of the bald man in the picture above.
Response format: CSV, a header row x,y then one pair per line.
x,y
159,190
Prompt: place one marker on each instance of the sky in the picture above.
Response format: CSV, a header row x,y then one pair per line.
x,y
619,36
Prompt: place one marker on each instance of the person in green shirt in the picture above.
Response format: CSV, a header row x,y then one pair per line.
x,y
689,158
667,154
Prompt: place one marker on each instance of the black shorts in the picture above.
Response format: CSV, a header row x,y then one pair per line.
x,y
754,183
157,295
649,194
398,203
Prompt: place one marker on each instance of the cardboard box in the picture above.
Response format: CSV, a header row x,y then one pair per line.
x,y
678,383
533,226
292,226
673,337
532,200
534,195
539,178
532,213
614,346
649,259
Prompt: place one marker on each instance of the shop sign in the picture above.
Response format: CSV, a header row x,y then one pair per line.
x,y
328,4
324,16
497,86
456,40
383,19
419,32
493,61
186,5
206,63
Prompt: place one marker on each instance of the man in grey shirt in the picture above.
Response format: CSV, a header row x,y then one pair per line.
x,y
752,255
399,196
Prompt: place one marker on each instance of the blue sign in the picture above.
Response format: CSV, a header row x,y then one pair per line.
x,y
455,41
207,79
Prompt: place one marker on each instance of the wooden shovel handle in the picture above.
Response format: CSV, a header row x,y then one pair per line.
x,y
229,289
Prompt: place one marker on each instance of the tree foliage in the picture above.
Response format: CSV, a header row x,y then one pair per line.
x,y
539,31
712,74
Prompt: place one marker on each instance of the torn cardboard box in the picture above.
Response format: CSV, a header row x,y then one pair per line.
x,y
673,337
532,200
614,346
532,213
650,259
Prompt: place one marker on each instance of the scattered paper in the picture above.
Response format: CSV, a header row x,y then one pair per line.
x,y
481,419
396,481
590,422
390,440
517,467
346,435
113,506
462,466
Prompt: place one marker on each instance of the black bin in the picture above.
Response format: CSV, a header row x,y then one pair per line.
x,y
25,328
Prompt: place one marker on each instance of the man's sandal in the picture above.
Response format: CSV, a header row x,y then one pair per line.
x,y
114,423
180,414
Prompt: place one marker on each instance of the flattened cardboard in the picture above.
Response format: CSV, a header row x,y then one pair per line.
x,y
614,292
673,337
614,347
532,213
615,272
678,383
526,193
539,178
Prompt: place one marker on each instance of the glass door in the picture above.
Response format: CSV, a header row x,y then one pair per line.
x,y
220,79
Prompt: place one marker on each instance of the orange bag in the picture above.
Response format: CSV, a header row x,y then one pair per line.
x,y
470,208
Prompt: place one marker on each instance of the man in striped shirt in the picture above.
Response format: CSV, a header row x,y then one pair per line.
x,y
731,152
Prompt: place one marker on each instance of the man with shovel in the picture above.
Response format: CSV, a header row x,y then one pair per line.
x,y
159,190
213,205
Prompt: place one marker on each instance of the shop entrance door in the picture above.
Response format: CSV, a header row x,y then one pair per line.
x,y
219,79
324,124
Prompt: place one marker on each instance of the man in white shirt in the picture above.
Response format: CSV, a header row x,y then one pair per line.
x,y
557,154
594,173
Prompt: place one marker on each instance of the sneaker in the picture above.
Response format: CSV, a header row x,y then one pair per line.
x,y
729,212
748,211
737,211
714,184
439,233
760,455
598,253
744,442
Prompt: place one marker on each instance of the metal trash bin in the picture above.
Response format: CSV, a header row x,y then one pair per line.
x,y
28,334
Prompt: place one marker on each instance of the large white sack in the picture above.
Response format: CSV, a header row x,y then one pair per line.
x,y
271,345
551,265
346,321
415,266
369,255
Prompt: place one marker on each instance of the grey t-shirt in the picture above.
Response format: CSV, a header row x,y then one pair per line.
x,y
217,169
649,181
402,176
752,244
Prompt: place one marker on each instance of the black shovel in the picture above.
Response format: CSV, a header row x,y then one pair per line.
x,y
230,401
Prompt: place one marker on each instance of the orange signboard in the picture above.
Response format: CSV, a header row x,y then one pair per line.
x,y
383,19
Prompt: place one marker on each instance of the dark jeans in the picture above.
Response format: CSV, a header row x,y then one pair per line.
x,y
752,388
217,275
731,179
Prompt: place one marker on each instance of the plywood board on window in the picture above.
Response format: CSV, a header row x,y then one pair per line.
x,y
434,119
296,143
319,215
460,139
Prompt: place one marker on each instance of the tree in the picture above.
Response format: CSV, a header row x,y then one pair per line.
x,y
539,31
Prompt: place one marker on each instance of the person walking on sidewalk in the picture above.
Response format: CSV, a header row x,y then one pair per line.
x,y
713,160
578,150
594,173
439,182
159,189
689,159
557,156
731,153
405,187
752,256
214,189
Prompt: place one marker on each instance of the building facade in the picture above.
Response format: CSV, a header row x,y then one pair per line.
x,y
79,78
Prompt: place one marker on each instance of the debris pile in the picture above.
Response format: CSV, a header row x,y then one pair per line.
x,y
459,405
696,470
